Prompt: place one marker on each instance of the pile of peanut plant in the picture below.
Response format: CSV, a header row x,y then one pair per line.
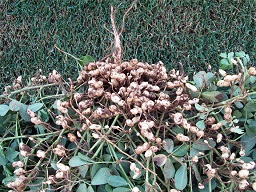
x,y
126,126
131,126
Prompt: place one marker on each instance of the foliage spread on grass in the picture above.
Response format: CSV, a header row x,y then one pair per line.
x,y
191,32
131,127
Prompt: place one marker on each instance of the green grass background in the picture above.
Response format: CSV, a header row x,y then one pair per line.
x,y
193,32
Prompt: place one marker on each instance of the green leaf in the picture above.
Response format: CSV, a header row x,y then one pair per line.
x,y
76,161
101,177
168,145
252,79
40,129
8,179
169,169
178,129
251,128
63,141
180,150
126,166
200,124
101,188
54,165
114,170
181,177
196,172
14,105
201,146
23,112
107,157
223,55
224,64
231,55
214,96
202,115
43,115
246,59
90,189
11,154
199,107
199,79
160,159
209,77
35,106
121,189
246,114
3,160
4,109
85,157
248,143
121,146
83,169
239,105
236,91
250,107
86,59
108,188
237,114
193,152
116,181
95,168
246,159
82,188
254,155
240,54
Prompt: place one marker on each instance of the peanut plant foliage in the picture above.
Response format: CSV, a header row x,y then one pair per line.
x,y
131,126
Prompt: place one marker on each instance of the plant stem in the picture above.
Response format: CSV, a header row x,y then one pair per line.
x,y
98,150
210,186
190,175
27,136
27,89
50,148
77,59
116,158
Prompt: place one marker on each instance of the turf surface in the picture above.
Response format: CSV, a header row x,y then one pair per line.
x,y
193,32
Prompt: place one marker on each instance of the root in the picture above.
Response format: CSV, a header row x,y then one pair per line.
x,y
117,54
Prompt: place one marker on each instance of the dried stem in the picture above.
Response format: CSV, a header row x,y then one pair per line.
x,y
117,54
122,28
